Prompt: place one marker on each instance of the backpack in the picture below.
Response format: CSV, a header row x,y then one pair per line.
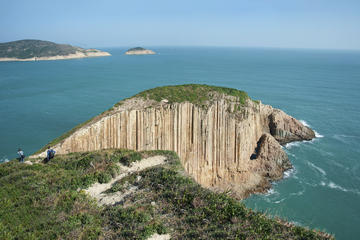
x,y
52,153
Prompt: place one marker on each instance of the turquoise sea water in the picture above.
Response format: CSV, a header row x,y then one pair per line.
x,y
41,100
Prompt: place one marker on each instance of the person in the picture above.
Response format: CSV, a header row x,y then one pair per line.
x,y
21,155
49,154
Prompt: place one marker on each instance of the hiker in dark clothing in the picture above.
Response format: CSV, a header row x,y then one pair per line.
x,y
49,154
21,155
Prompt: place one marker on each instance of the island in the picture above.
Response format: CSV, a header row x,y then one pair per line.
x,y
166,163
37,50
139,51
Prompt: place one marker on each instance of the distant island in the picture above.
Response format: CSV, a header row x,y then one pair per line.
x,y
37,50
139,51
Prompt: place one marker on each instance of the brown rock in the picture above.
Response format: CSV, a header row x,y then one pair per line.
x,y
287,129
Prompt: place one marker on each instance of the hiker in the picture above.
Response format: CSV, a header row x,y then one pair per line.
x,y
49,154
21,155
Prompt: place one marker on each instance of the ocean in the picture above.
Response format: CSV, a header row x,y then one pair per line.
x,y
41,100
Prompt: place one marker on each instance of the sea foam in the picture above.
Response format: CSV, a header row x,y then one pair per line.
x,y
292,144
4,159
319,169
333,185
306,124
289,172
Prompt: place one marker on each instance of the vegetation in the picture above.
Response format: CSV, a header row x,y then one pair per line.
x,y
195,93
23,49
136,49
45,201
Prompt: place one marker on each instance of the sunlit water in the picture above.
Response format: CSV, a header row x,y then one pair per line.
x,y
41,100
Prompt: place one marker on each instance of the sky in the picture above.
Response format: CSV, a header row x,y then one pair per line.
x,y
323,24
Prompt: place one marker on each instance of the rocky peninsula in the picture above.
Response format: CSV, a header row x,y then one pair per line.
x,y
225,140
37,50
94,188
139,51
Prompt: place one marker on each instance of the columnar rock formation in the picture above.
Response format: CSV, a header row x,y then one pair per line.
x,y
226,145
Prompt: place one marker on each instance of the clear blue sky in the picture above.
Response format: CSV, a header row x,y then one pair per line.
x,y
333,24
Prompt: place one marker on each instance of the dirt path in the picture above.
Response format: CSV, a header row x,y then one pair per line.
x,y
97,190
159,237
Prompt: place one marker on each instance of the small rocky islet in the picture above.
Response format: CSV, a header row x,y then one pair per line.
x,y
139,51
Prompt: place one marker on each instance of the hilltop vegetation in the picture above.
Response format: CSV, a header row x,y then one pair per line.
x,y
139,51
197,94
136,49
45,201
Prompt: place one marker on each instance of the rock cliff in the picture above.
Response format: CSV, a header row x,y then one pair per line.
x,y
225,140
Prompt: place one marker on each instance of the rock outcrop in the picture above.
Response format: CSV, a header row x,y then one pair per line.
x,y
223,143
139,51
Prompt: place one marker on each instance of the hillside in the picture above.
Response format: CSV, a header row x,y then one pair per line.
x,y
53,201
43,50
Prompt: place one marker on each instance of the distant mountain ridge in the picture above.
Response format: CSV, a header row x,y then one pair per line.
x,y
32,50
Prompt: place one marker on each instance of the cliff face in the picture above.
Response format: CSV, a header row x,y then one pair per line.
x,y
222,147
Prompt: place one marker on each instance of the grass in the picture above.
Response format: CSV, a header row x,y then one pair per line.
x,y
194,93
42,201
45,201
193,212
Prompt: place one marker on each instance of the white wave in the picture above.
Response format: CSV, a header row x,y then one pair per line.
x,y
4,159
292,144
345,138
310,184
289,172
279,201
269,192
335,186
318,135
304,123
298,193
322,171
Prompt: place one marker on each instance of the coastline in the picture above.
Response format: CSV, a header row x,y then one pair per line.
x,y
76,55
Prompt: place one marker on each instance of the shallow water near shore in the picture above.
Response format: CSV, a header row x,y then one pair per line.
x,y
41,100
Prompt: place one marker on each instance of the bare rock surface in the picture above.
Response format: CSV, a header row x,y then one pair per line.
x,y
287,129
